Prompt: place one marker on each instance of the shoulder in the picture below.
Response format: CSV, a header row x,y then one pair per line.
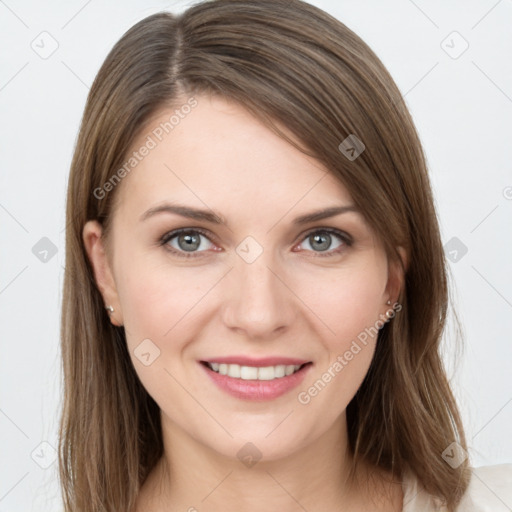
x,y
490,489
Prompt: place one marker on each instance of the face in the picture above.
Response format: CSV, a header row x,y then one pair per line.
x,y
250,281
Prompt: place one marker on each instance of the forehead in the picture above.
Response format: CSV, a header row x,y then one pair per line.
x,y
218,154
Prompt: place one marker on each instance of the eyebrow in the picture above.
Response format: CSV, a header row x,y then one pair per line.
x,y
210,216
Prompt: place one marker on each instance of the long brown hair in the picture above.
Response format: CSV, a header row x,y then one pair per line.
x,y
289,63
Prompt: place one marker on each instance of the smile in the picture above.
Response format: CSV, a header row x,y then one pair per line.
x,y
255,383
237,371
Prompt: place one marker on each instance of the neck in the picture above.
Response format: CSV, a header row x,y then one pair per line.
x,y
192,476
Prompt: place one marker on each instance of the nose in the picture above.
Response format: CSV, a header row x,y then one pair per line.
x,y
257,301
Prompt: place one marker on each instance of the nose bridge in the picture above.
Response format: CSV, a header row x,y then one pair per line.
x,y
258,302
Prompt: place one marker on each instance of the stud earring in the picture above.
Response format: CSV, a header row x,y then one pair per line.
x,y
388,302
110,309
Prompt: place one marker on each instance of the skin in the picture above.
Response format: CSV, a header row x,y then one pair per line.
x,y
290,301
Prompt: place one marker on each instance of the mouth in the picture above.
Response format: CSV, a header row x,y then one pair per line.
x,y
259,381
262,373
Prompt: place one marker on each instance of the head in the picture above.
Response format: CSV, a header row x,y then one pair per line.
x,y
255,117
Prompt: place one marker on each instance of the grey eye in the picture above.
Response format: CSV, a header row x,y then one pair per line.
x,y
321,241
188,241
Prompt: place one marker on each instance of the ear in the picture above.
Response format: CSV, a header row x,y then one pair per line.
x,y
103,275
396,277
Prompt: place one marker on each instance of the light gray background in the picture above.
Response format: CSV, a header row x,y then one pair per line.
x,y
462,108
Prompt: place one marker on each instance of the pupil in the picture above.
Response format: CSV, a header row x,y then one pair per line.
x,y
323,240
192,242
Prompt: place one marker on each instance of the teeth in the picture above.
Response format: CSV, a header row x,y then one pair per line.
x,y
252,372
245,372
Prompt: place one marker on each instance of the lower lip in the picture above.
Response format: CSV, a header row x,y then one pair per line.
x,y
258,390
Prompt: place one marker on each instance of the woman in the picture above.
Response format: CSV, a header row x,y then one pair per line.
x,y
255,286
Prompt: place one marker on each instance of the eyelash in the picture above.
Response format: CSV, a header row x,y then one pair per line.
x,y
346,239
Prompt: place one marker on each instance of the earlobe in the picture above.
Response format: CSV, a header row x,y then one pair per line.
x,y
396,277
103,276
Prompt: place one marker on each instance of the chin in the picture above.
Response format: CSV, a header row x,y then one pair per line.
x,y
257,445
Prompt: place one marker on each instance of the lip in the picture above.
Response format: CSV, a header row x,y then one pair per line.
x,y
257,362
257,390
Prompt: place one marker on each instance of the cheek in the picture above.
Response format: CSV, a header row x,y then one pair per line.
x,y
347,302
159,303
348,306
157,299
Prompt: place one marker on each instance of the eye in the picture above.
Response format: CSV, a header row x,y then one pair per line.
x,y
185,242
322,240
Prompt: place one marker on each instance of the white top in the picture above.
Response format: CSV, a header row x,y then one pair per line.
x,y
490,490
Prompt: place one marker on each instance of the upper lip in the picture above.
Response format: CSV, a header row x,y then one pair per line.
x,y
258,362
